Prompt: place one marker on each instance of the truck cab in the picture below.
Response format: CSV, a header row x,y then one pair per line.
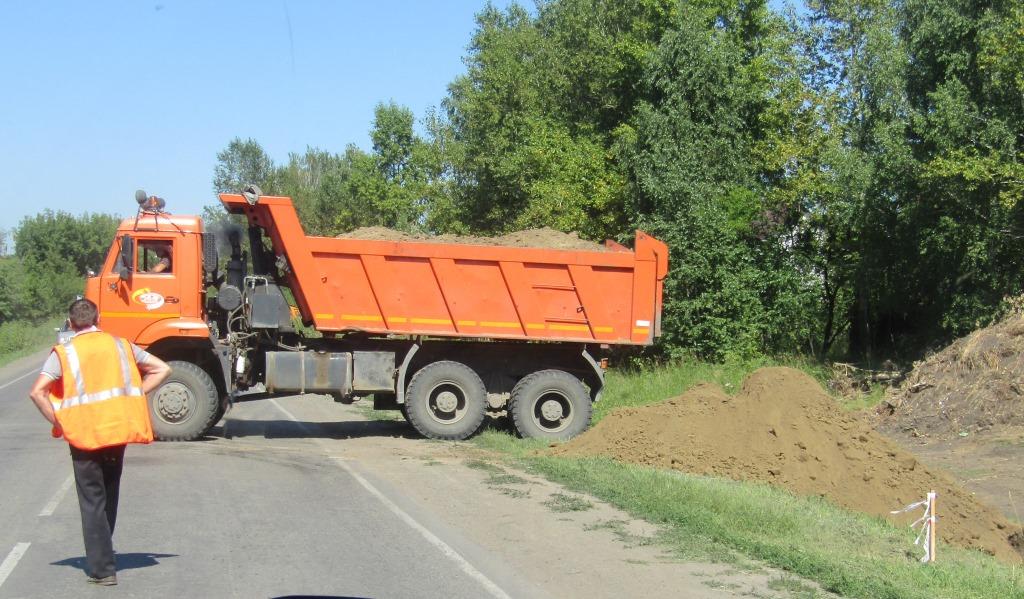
x,y
151,290
151,283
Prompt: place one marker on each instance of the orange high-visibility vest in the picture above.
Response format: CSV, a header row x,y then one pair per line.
x,y
99,400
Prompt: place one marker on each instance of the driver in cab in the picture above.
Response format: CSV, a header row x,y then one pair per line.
x,y
162,258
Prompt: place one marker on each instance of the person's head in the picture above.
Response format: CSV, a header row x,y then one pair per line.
x,y
162,249
82,314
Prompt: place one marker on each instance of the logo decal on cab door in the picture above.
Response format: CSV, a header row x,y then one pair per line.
x,y
151,299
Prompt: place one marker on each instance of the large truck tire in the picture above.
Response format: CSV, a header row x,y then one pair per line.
x,y
446,400
550,404
186,405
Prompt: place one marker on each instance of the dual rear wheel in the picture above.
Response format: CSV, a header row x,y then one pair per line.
x,y
550,404
447,400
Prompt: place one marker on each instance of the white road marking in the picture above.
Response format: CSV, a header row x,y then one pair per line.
x,y
49,508
431,538
493,589
12,560
26,375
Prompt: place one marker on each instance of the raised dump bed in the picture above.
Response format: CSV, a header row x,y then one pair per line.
x,y
609,296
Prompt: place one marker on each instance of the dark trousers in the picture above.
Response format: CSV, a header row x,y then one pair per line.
x,y
98,479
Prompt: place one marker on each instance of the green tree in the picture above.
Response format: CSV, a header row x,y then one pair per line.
x,y
713,152
527,156
860,164
916,198
393,178
335,205
305,178
54,250
12,289
600,116
394,186
241,164
965,90
59,241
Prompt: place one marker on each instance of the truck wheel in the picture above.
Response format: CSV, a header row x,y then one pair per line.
x,y
185,406
446,400
222,408
550,404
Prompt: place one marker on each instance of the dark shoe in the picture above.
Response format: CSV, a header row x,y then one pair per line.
x,y
106,581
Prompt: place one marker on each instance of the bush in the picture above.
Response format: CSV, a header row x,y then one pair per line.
x,y
20,337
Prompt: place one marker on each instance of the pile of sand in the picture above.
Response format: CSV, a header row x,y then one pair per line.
x,y
537,238
783,429
975,385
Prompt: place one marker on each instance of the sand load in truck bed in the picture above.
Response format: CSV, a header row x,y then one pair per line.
x,y
543,237
783,429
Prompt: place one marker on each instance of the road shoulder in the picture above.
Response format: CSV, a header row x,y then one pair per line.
x,y
563,542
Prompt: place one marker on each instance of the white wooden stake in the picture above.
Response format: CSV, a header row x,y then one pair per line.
x,y
932,521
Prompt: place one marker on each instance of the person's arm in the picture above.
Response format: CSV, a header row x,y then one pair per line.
x,y
40,395
154,371
161,266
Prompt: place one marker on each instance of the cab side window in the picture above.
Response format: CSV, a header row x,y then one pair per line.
x,y
154,256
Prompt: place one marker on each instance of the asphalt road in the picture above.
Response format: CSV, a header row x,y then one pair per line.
x,y
270,506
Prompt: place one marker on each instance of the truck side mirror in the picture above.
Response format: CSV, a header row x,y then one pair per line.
x,y
124,258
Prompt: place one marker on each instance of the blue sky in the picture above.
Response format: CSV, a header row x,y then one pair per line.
x,y
102,98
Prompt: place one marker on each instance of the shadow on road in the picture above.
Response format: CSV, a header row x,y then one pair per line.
x,y
230,428
125,561
318,597
288,429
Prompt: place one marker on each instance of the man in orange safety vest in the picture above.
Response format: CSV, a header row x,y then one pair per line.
x,y
92,389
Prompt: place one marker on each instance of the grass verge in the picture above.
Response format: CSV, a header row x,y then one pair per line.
x,y
20,338
846,553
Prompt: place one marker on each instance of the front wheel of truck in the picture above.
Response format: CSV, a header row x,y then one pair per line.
x,y
185,406
446,400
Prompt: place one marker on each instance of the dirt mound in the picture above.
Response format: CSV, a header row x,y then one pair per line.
x,y
975,385
538,238
782,429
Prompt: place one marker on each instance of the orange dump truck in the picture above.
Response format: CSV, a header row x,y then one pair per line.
x,y
443,332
